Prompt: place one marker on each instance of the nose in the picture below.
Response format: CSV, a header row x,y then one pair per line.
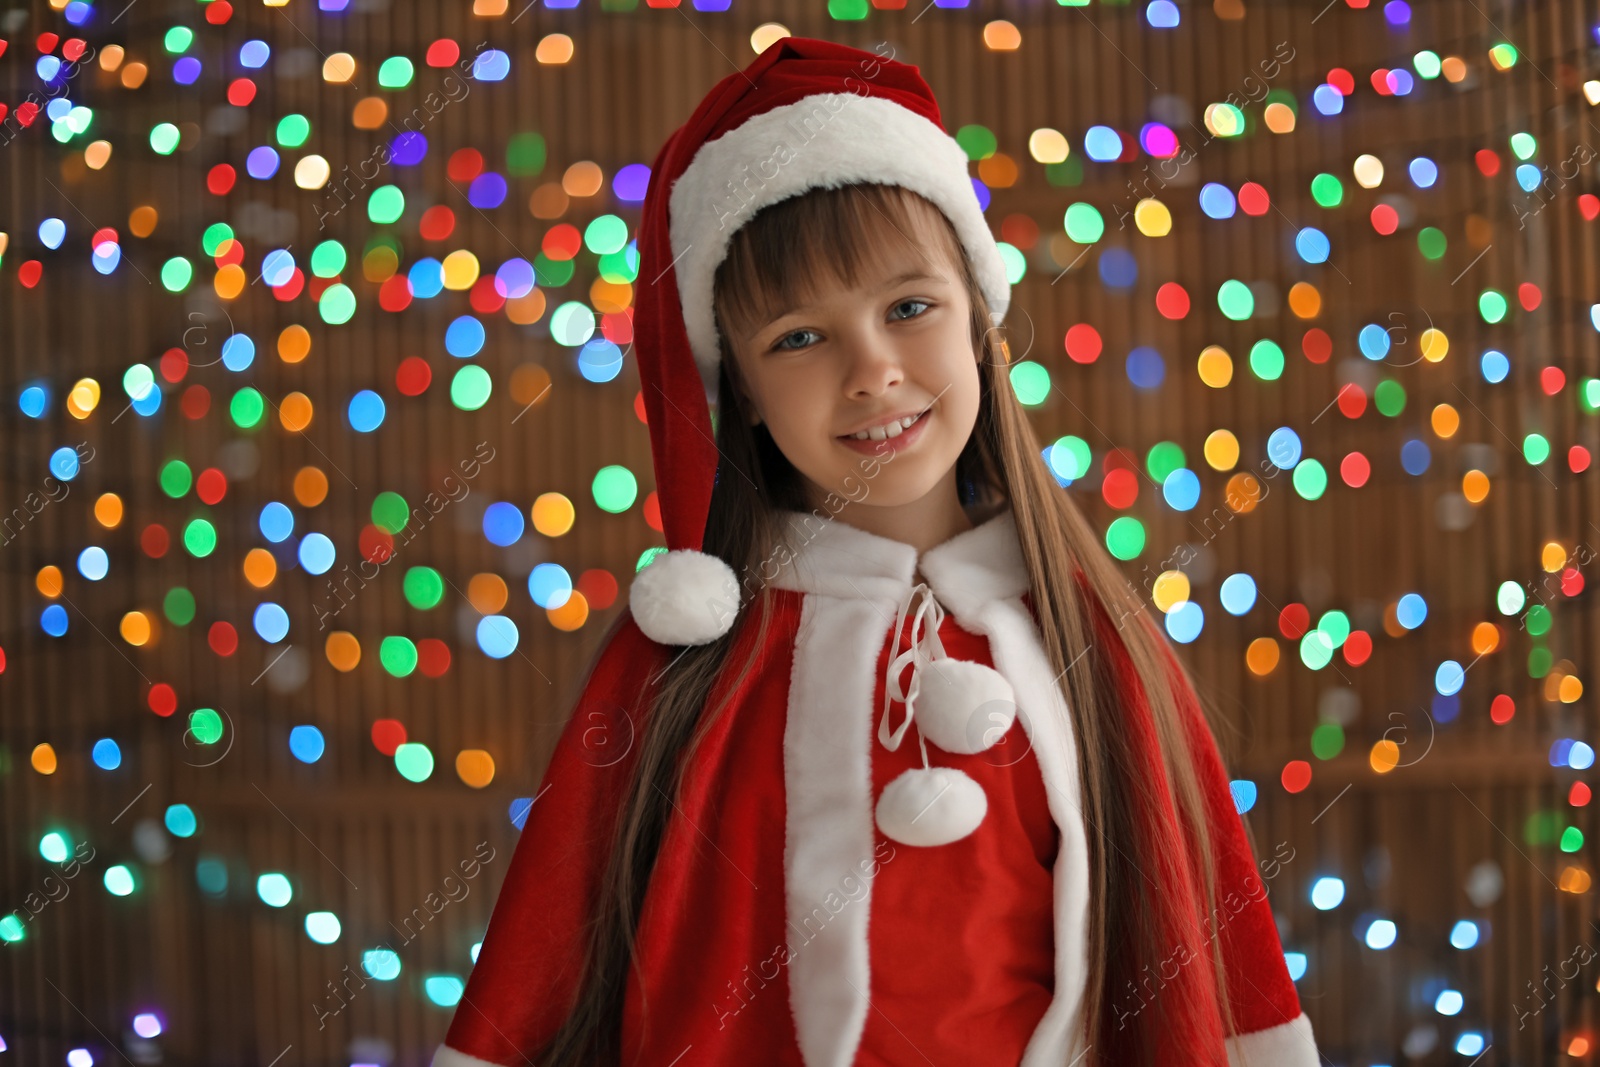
x,y
873,366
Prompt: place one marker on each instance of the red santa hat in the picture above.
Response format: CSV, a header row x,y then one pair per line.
x,y
805,114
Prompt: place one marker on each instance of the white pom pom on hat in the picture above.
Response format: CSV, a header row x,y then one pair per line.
x,y
684,597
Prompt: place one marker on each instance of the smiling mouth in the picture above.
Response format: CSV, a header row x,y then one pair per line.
x,y
889,430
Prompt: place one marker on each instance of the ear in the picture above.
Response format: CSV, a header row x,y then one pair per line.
x,y
752,413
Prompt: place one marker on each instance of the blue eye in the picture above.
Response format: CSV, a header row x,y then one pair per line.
x,y
779,346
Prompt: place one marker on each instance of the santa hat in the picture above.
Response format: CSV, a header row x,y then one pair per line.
x,y
805,114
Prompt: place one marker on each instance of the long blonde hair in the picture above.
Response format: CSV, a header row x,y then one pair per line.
x,y
773,259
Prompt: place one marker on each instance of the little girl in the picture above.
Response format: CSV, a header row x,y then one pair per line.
x,y
886,763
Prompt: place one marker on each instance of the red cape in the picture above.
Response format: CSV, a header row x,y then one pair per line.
x,y
782,927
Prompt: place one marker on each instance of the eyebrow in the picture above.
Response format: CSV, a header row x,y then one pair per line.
x,y
913,275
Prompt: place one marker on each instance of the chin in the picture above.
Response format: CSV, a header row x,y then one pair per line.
x,y
892,488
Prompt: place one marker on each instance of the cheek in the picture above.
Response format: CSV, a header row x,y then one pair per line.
x,y
784,416
796,400
962,376
795,428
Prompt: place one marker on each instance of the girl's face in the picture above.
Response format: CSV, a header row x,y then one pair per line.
x,y
895,348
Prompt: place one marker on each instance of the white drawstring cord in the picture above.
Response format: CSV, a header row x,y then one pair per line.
x,y
925,648
927,806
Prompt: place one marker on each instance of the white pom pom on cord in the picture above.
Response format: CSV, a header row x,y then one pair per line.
x,y
931,806
964,707
684,597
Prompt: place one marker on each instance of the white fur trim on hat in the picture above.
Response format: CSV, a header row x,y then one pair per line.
x,y
827,140
684,597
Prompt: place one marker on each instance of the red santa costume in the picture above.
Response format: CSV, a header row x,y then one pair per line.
x,y
831,890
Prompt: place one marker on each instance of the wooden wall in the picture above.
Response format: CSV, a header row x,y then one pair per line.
x,y
236,982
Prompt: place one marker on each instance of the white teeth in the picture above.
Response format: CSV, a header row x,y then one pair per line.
x,y
886,431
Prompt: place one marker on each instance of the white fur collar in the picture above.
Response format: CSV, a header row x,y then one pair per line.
x,y
829,557
853,581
